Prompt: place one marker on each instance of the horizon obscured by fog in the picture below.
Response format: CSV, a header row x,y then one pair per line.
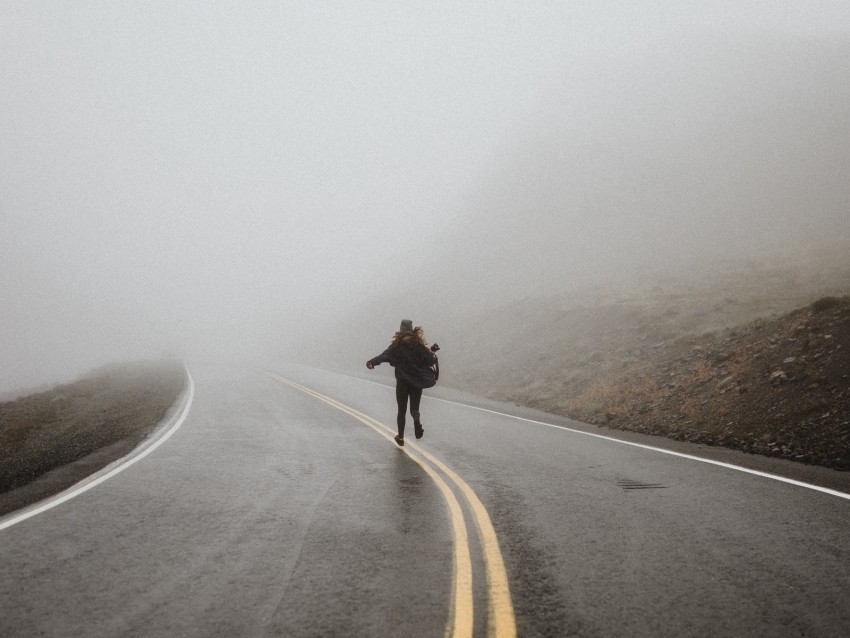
x,y
192,179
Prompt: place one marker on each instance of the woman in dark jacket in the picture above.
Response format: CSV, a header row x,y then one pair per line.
x,y
413,360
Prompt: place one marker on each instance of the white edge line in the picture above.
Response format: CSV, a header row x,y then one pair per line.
x,y
691,457
107,473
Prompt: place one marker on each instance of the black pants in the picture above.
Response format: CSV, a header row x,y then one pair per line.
x,y
403,390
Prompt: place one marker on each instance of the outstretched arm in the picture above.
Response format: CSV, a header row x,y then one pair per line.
x,y
384,357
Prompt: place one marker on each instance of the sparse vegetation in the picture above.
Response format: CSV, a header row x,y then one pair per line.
x,y
825,303
79,427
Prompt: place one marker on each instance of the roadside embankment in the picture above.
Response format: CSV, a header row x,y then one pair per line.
x,y
777,386
53,439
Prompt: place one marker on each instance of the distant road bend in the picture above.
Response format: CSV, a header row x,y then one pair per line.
x,y
277,503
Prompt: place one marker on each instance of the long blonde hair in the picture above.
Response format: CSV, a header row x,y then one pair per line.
x,y
416,336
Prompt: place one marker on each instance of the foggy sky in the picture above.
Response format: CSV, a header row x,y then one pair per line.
x,y
180,178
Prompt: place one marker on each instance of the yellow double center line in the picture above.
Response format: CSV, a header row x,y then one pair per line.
x,y
500,612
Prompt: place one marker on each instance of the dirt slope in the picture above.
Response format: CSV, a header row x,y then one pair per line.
x,y
51,440
776,387
734,353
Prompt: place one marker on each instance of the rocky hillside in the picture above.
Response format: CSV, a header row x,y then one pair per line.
x,y
662,363
776,387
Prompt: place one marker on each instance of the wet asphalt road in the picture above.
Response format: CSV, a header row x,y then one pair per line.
x,y
269,512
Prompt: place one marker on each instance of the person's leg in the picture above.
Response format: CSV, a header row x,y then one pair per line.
x,y
415,397
402,391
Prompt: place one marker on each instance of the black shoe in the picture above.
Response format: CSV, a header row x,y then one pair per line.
x,y
400,440
418,430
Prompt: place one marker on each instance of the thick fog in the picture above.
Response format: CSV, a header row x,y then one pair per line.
x,y
256,179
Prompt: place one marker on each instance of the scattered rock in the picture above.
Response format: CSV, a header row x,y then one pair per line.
x,y
688,387
717,388
726,381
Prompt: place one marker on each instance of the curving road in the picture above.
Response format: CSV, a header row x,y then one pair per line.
x,y
280,506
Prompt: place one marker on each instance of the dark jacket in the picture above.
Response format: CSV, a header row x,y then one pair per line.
x,y
412,362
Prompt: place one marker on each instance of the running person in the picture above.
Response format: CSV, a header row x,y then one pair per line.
x,y
412,359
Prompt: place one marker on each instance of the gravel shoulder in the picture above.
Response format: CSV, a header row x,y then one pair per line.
x,y
51,440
